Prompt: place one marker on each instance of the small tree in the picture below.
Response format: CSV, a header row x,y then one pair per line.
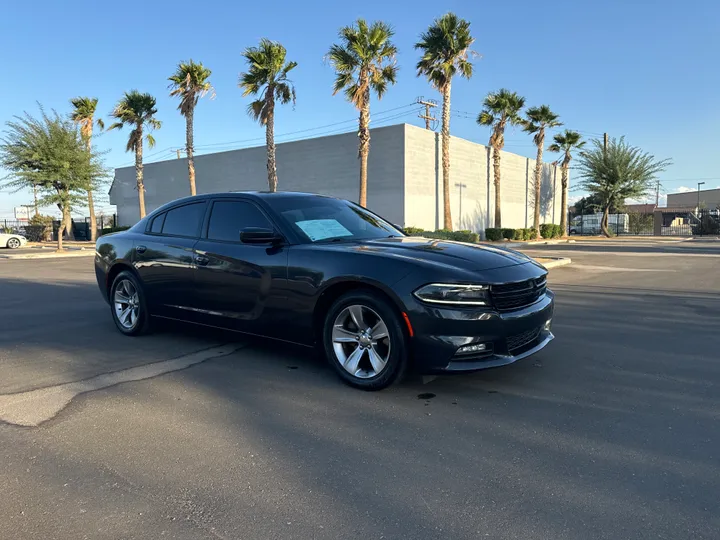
x,y
190,83
618,173
267,76
364,61
49,153
445,48
500,109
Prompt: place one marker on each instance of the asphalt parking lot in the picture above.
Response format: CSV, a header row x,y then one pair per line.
x,y
611,432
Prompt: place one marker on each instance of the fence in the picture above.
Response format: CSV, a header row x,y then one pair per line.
x,y
80,227
661,222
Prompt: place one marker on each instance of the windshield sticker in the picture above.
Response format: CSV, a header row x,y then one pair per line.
x,y
320,229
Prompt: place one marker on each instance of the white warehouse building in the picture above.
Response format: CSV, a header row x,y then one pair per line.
x,y
404,178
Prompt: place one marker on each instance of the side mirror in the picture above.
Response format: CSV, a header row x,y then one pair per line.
x,y
258,235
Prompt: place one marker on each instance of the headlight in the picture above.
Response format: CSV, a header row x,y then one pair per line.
x,y
448,293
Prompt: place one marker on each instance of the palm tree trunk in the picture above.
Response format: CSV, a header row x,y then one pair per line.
x,y
447,221
139,171
270,140
604,222
91,201
496,171
364,135
538,180
563,209
189,149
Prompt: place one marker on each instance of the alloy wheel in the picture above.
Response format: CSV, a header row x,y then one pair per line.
x,y
127,304
13,243
361,341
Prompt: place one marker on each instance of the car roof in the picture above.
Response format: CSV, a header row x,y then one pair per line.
x,y
265,195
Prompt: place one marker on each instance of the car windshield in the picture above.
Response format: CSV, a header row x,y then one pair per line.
x,y
321,219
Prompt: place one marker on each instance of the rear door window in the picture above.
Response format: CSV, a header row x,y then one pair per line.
x,y
184,220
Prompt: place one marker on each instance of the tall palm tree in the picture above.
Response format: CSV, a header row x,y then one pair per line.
x,y
500,109
83,114
137,110
190,82
445,50
364,61
565,142
267,76
538,120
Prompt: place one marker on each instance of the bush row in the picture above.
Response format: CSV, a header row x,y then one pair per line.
x,y
444,234
109,230
495,234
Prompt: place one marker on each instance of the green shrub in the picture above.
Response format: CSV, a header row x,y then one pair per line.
x,y
546,230
508,234
413,231
39,228
493,234
465,236
518,234
531,234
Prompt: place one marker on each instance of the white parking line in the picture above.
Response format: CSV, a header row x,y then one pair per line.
x,y
36,406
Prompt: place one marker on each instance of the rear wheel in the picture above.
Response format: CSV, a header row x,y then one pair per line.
x,y
365,341
127,304
13,243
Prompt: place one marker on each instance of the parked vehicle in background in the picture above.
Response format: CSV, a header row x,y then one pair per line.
x,y
12,240
320,271
590,224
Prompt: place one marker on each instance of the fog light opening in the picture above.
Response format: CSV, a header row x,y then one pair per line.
x,y
473,348
548,324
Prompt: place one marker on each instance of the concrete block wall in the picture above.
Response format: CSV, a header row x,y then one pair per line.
x,y
327,165
471,166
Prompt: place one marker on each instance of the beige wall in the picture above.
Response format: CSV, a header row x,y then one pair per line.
x,y
471,165
709,198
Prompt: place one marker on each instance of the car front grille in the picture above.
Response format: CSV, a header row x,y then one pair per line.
x,y
523,339
510,296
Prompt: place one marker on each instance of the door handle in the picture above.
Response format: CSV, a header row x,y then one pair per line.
x,y
202,260
140,249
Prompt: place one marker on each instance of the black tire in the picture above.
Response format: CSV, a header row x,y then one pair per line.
x,y
13,243
397,358
142,323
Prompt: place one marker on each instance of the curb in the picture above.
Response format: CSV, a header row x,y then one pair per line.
x,y
560,261
75,253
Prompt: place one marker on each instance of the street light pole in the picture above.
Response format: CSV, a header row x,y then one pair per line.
x,y
698,205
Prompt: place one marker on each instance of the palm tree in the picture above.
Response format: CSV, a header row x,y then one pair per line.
x,y
500,109
190,83
445,50
83,114
538,120
565,142
364,61
138,111
268,77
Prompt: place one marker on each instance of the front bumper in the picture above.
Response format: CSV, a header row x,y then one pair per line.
x,y
509,336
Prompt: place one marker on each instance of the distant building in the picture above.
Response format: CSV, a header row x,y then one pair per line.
x,y
639,208
709,198
404,178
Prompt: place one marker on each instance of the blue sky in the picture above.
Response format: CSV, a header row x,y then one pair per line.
x,y
644,69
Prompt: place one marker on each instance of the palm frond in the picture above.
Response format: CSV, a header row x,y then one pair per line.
x,y
151,140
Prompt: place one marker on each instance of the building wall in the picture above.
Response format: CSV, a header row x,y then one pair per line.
x,y
404,178
709,198
471,166
327,165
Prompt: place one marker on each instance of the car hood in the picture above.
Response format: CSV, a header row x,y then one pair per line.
x,y
444,252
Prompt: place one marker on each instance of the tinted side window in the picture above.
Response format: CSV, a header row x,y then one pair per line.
x,y
157,224
184,220
228,218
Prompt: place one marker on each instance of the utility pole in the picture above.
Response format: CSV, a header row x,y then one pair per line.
x,y
178,153
35,199
657,194
429,103
605,142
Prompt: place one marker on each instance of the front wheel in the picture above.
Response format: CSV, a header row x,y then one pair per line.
x,y
127,304
364,340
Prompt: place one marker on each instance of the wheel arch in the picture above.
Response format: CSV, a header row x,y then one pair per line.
x,y
113,272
